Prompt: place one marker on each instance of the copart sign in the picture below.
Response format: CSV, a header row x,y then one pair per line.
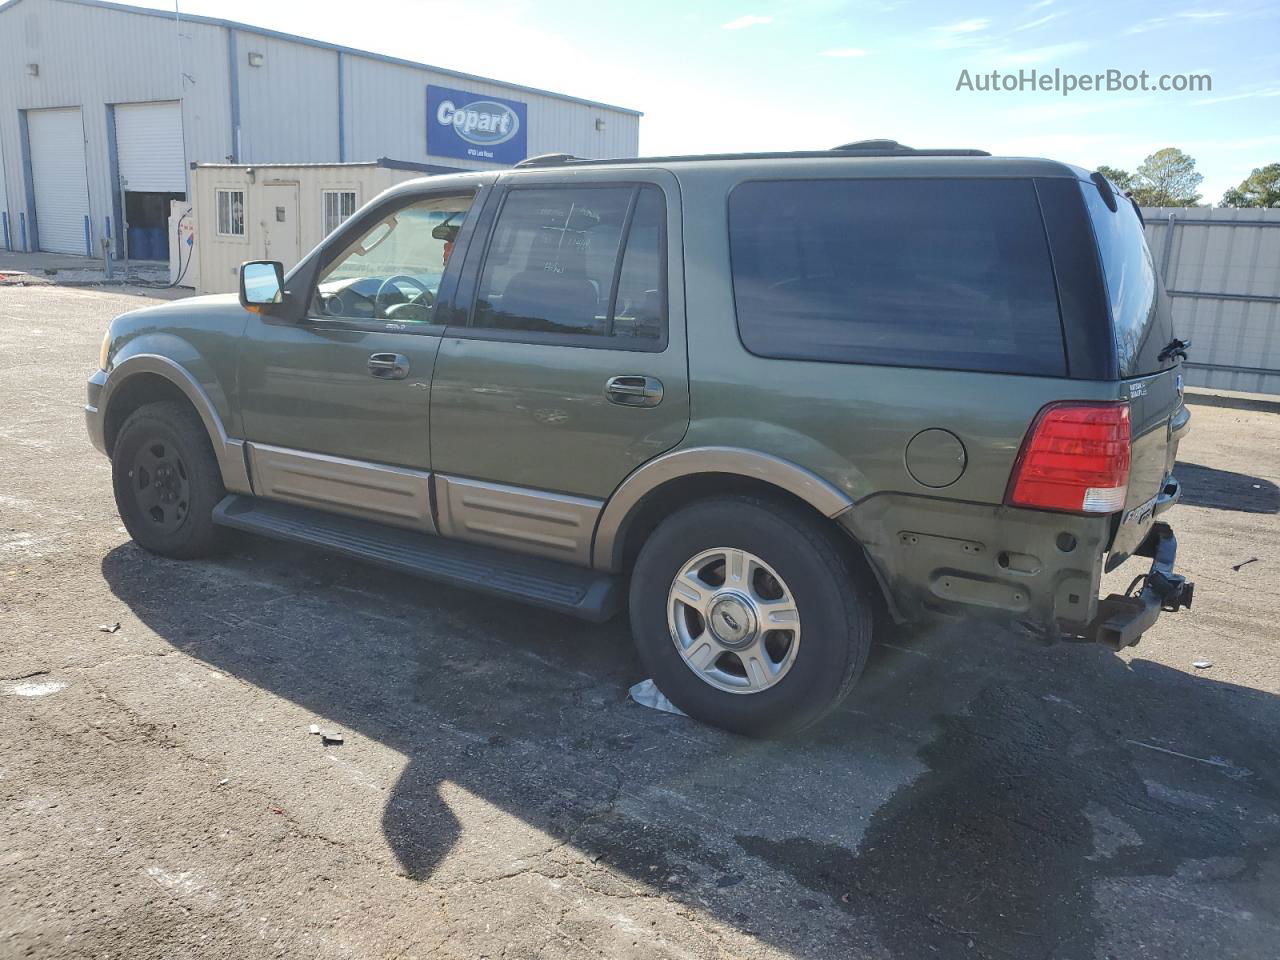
x,y
475,126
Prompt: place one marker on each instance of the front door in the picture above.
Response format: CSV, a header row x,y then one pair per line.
x,y
335,407
281,236
563,368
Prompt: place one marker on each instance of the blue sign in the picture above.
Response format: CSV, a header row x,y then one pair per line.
x,y
474,126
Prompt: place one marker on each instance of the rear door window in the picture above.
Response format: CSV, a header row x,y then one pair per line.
x,y
946,273
1140,313
584,265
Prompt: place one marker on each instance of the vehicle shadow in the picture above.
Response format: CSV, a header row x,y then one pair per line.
x,y
1224,490
976,793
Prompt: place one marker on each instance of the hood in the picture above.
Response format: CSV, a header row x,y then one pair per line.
x,y
214,304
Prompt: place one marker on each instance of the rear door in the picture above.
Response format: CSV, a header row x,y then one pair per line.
x,y
563,367
1148,363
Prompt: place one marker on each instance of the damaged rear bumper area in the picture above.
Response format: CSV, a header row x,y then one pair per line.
x,y
1123,618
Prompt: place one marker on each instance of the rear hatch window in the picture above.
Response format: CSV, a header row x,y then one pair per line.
x,y
945,273
1140,311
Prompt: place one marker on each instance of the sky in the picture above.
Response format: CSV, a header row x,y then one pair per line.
x,y
811,74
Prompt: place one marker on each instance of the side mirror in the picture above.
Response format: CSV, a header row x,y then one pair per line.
x,y
261,284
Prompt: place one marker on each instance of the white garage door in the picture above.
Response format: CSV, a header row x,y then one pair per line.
x,y
149,147
4,206
57,169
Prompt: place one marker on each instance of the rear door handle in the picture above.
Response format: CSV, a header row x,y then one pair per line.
x,y
634,391
389,366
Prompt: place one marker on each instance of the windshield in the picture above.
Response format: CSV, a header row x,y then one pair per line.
x,y
1139,307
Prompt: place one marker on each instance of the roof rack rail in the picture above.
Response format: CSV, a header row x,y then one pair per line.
x,y
547,160
892,148
862,148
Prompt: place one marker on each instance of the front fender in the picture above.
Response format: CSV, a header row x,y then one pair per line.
x,y
128,364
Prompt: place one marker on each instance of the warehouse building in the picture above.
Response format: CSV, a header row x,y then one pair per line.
x,y
104,107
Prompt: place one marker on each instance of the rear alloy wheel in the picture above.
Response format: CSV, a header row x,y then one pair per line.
x,y
167,480
749,615
733,620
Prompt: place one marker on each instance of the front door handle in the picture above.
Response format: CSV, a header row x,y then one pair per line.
x,y
389,366
634,391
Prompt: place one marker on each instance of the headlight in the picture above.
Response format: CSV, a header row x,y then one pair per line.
x,y
106,349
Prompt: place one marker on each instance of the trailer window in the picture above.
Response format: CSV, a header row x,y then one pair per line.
x,y
230,207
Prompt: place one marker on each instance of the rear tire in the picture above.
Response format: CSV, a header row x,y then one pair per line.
x,y
167,481
749,616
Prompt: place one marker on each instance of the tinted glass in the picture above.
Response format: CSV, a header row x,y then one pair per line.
x,y
393,270
928,273
641,309
1139,308
553,263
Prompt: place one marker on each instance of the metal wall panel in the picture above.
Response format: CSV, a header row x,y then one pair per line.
x,y
149,147
387,117
288,103
1222,270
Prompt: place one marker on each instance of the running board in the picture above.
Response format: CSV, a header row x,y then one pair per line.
x,y
587,594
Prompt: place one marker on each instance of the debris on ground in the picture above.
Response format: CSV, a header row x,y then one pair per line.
x,y
19,279
35,688
647,694
314,728
1202,664
224,781
330,736
109,627
1245,563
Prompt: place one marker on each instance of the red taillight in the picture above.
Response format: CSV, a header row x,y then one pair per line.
x,y
1075,457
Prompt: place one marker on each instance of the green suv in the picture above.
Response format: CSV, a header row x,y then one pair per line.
x,y
764,402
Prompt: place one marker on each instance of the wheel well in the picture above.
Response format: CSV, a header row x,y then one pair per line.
x,y
674,494
137,391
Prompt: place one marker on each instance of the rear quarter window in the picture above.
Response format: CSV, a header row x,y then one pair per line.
x,y
1140,315
943,273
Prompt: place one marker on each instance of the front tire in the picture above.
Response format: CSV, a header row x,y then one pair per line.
x,y
749,616
167,481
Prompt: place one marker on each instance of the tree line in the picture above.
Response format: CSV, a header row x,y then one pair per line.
x,y
1168,178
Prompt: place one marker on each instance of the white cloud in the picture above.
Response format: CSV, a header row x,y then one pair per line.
x,y
1040,5
976,25
1057,51
746,20
1195,16
1038,22
1247,95
844,52
1065,109
961,35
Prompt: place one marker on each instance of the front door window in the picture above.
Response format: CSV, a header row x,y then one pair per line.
x,y
393,271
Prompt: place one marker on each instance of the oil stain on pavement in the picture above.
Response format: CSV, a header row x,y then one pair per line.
x,y
1025,807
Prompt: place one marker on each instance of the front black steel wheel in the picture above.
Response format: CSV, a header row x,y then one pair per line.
x,y
160,486
167,480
